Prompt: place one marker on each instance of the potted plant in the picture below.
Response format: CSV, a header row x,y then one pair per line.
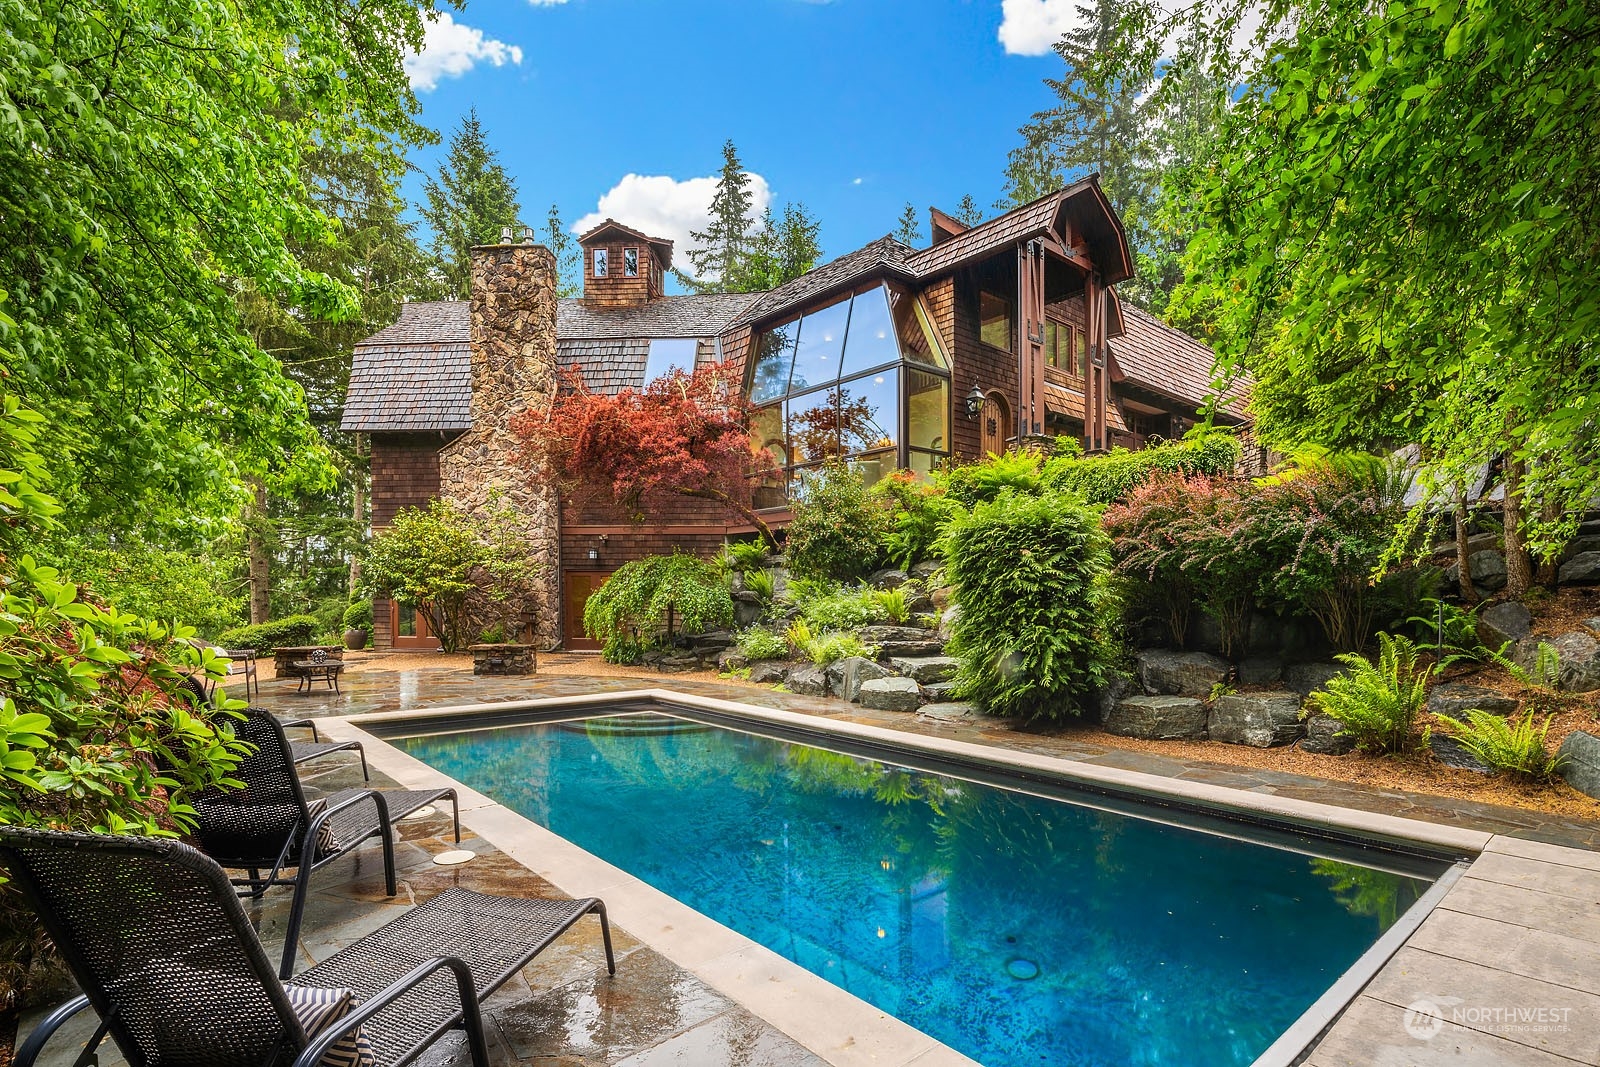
x,y
357,624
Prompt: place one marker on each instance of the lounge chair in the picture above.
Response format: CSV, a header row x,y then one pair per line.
x,y
270,827
301,751
166,956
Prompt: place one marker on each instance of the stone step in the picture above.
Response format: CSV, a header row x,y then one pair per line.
x,y
890,694
926,670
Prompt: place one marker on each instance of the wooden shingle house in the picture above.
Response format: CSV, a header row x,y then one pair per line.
x,y
893,356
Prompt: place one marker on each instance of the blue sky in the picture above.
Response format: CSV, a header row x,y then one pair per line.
x,y
853,107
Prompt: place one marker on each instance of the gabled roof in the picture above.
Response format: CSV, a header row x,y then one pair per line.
x,y
1154,356
660,245
697,315
885,253
414,376
1042,217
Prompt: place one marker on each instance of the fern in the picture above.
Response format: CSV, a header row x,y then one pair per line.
x,y
893,603
827,648
760,583
1543,675
1377,703
746,556
757,643
799,636
1515,749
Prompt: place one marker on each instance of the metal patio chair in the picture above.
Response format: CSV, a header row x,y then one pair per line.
x,y
269,826
166,956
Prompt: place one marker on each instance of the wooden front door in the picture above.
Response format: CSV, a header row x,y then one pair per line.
x,y
576,587
410,628
994,420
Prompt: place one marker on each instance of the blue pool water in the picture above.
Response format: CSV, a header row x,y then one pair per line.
x,y
1015,928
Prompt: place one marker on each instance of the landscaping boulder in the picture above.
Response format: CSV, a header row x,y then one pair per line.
x,y
900,641
947,620
1165,672
1579,655
1592,624
1582,569
919,602
1454,698
942,596
769,671
747,609
732,660
1158,718
1325,736
926,569
1488,569
1307,678
956,711
890,694
1257,719
926,670
1506,621
938,691
1119,687
1579,545
890,578
846,675
1260,670
808,680
1448,751
1580,754
717,639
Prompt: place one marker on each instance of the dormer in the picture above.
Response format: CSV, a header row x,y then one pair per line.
x,y
622,267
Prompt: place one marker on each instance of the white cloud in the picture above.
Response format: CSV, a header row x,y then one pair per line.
x,y
1030,27
661,206
452,48
856,181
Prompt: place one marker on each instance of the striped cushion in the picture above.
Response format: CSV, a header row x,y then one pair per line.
x,y
317,1009
326,845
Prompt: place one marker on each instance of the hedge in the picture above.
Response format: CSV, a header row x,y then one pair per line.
x,y
1108,477
277,633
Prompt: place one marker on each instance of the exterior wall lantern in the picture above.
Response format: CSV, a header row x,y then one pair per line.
x,y
974,401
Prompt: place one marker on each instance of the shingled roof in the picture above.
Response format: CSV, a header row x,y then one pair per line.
x,y
415,375
699,315
885,252
1155,356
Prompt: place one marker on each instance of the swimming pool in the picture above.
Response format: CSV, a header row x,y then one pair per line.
x,y
1016,927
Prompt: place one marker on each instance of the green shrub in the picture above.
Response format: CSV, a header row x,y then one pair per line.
x,y
917,512
799,637
760,583
655,596
193,588
1102,479
1030,576
893,604
1517,750
276,633
494,634
1377,703
830,607
746,556
358,616
975,483
837,528
758,642
826,648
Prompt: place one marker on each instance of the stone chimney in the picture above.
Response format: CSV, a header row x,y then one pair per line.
x,y
513,343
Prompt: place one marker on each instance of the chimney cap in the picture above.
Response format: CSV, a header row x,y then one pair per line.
x,y
505,235
527,235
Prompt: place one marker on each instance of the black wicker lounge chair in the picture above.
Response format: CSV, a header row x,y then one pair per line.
x,y
168,959
270,827
302,751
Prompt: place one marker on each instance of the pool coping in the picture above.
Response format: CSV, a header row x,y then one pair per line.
x,y
829,1021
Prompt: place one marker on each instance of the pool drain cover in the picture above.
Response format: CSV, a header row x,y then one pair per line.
x,y
453,857
421,813
1022,970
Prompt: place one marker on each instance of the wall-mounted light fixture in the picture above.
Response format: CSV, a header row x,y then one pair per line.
x,y
974,401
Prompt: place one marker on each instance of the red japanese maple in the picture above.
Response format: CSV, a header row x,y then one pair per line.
x,y
684,435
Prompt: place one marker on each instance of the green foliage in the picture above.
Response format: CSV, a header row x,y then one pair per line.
x,y
760,583
655,596
1542,676
747,556
917,512
826,648
908,228
433,559
758,642
1377,703
799,636
358,616
837,527
893,604
827,606
493,635
294,631
975,483
469,203
153,583
1517,749
1106,478
1030,578
1448,631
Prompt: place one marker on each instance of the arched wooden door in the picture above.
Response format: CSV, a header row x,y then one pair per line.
x,y
994,422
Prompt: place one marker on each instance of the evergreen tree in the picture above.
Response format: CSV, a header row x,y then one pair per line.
x,y
908,230
725,242
569,263
1097,125
468,204
781,250
968,211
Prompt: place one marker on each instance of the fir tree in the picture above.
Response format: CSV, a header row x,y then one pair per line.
x,y
968,212
723,245
908,230
468,204
780,251
569,264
